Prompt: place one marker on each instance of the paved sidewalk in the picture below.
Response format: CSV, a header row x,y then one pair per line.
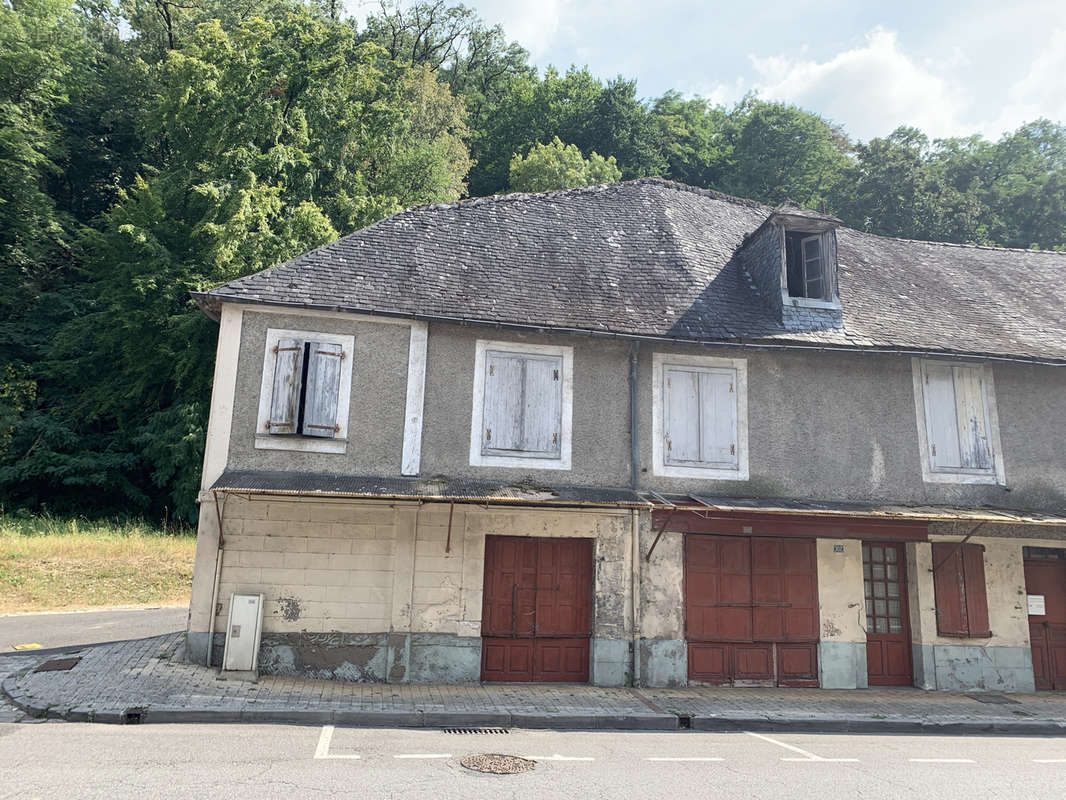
x,y
142,681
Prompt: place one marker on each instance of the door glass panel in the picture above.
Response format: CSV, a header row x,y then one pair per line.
x,y
879,589
866,569
893,608
879,572
895,626
891,554
877,554
869,623
893,589
866,552
892,572
880,608
882,625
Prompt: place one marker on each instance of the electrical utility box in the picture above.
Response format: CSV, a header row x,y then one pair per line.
x,y
243,632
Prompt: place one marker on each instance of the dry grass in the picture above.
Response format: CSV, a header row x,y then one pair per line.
x,y
49,563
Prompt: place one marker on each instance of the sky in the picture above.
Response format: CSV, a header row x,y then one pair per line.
x,y
948,68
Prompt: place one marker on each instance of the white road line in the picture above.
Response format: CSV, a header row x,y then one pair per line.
x,y
1049,760
683,758
942,760
807,755
324,738
423,755
558,757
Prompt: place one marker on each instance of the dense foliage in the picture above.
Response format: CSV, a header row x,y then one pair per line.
x,y
150,147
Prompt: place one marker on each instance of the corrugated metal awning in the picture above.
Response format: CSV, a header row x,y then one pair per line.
x,y
886,511
320,484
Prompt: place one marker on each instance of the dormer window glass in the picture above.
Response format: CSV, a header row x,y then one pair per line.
x,y
809,265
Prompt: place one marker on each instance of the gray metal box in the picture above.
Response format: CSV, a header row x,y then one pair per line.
x,y
243,631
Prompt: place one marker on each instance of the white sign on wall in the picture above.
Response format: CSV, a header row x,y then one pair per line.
x,y
1036,605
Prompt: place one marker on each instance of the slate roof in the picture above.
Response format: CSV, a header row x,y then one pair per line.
x,y
655,258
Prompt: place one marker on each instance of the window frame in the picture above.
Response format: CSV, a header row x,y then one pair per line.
x,y
661,362
477,417
297,441
830,268
996,474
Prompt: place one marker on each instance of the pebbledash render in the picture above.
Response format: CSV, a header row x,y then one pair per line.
x,y
641,434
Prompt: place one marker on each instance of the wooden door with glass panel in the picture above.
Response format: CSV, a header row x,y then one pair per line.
x,y
888,636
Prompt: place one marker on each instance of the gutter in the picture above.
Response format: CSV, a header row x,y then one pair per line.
x,y
206,303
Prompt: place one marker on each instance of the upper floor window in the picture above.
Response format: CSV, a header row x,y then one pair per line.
x,y
522,405
303,401
957,423
699,409
810,265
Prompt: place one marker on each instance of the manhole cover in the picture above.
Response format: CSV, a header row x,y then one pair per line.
x,y
58,664
497,764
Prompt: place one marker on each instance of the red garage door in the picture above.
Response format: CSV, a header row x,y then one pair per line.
x,y
536,615
751,610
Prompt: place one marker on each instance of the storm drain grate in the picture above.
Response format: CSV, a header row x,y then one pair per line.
x,y
993,699
476,730
498,764
58,665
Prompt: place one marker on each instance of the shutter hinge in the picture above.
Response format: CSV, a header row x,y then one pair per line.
x,y
492,369
555,438
336,428
934,449
488,434
732,449
731,387
555,374
669,445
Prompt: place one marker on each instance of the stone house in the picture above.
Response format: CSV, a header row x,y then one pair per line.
x,y
641,434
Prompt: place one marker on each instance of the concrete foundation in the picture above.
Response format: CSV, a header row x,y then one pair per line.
x,y
842,665
663,662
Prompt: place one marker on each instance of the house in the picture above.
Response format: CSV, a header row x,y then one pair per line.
x,y
641,434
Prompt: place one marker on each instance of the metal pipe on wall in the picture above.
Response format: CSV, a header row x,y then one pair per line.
x,y
218,576
634,535
634,417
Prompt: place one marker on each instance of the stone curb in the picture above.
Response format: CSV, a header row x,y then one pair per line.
x,y
880,726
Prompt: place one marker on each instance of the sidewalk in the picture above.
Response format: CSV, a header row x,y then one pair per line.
x,y
140,681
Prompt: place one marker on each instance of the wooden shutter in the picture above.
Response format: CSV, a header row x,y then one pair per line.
x,y
285,398
942,425
829,253
502,428
541,406
959,590
323,389
975,453
681,416
813,267
718,418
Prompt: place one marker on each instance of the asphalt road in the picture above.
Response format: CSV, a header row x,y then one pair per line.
x,y
87,627
65,760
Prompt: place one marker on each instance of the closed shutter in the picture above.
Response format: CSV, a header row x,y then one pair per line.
x,y
718,418
323,389
941,417
959,590
522,405
974,450
681,416
285,398
542,406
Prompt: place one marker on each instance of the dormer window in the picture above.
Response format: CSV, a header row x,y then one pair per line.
x,y
810,266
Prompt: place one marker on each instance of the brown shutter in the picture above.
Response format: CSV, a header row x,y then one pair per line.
x,y
973,569
949,590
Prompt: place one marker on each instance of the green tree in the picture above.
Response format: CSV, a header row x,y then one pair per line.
x,y
693,139
560,166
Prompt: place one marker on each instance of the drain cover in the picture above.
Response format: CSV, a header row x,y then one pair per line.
x,y
497,764
58,664
994,699
477,730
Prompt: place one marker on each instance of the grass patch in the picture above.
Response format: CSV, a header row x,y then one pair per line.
x,y
50,563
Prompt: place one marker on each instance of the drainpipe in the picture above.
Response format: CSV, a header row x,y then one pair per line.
x,y
214,588
634,595
634,449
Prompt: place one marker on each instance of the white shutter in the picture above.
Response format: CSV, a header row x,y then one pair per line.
x,y
813,267
681,415
323,389
285,398
975,451
718,418
502,429
542,406
941,416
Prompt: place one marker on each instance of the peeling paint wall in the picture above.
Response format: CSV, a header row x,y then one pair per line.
x,y
841,615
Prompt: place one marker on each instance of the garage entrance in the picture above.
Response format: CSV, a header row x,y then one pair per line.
x,y
751,610
1045,583
537,609
888,634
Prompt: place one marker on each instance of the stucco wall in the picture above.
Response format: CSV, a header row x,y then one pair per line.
x,y
376,411
841,615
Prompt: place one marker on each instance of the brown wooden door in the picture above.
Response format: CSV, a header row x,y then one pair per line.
x,y
888,634
751,610
536,611
1047,632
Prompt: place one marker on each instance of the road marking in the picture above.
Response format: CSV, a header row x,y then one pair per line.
x,y
1049,760
423,755
807,755
558,757
942,760
683,758
322,751
29,646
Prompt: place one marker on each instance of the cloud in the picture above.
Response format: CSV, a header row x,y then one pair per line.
x,y
1040,92
870,89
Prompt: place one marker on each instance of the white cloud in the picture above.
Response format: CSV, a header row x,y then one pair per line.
x,y
870,89
1041,92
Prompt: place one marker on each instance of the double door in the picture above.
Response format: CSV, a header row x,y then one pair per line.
x,y
751,610
1045,582
537,609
